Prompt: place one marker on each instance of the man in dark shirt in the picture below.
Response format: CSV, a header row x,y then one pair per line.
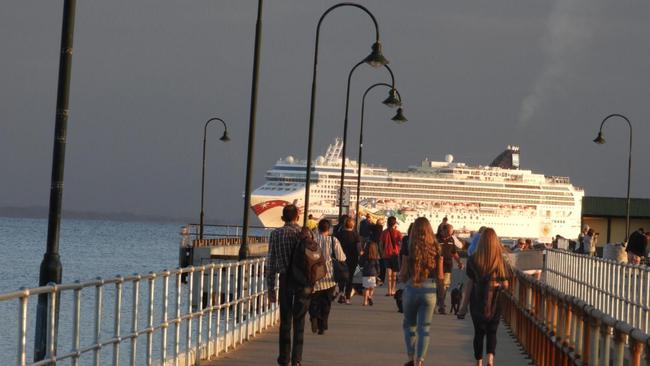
x,y
294,299
364,227
449,254
636,246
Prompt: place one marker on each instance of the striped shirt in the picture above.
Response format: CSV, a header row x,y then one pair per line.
x,y
325,243
281,244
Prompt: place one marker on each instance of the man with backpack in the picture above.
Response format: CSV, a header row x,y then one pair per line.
x,y
293,295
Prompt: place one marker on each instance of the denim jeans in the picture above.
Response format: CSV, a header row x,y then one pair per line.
x,y
419,304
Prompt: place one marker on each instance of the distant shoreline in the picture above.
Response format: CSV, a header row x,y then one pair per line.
x,y
36,212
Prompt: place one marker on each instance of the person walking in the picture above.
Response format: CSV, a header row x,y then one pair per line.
x,y
421,272
487,274
636,246
321,299
449,253
390,241
473,242
293,298
365,227
369,263
312,224
375,236
351,243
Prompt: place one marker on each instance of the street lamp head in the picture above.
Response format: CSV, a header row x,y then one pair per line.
x,y
225,137
599,139
392,100
399,117
376,58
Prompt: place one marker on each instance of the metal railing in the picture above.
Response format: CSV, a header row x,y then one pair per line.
x,y
559,329
233,307
619,290
225,231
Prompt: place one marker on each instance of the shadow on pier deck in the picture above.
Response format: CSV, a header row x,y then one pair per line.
x,y
361,335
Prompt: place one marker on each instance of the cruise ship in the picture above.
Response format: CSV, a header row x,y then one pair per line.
x,y
517,203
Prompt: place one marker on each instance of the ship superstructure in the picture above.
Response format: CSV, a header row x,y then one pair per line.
x,y
513,201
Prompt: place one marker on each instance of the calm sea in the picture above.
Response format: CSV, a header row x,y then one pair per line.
x,y
88,248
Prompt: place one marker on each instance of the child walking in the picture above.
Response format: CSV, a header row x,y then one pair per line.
x,y
370,270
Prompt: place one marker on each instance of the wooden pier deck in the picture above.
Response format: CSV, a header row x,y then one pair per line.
x,y
372,335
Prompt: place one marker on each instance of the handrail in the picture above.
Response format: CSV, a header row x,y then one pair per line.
x,y
556,328
221,306
620,290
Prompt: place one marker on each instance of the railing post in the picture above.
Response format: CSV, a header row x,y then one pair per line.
x,y
199,327
134,317
188,334
152,285
116,321
76,321
22,329
98,319
210,309
580,319
619,346
606,331
594,340
177,320
636,349
219,310
165,323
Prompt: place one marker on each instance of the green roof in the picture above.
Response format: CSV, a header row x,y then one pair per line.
x,y
615,207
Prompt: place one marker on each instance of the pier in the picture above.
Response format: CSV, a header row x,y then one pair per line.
x,y
219,314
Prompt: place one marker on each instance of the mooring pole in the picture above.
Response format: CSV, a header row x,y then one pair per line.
x,y
243,249
51,269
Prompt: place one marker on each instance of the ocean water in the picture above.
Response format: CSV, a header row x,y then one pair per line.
x,y
88,249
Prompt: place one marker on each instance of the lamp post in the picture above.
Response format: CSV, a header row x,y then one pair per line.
x,y
223,138
243,246
51,269
398,118
375,59
391,101
600,140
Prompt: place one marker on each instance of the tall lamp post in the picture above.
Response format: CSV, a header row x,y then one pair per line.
x,y
398,118
51,269
600,140
223,138
243,246
391,101
375,59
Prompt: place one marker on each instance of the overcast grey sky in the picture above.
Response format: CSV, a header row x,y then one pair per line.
x,y
475,76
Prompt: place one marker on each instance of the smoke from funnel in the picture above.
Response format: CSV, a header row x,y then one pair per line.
x,y
569,27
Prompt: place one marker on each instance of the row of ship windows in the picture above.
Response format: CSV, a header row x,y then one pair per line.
x,y
454,188
468,195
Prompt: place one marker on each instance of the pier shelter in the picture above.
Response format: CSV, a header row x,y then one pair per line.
x,y
607,216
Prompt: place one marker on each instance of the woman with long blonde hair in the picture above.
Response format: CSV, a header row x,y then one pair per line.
x,y
422,272
487,274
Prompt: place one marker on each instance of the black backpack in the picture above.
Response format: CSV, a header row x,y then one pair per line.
x,y
307,261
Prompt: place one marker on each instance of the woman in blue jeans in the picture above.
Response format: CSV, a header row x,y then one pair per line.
x,y
421,270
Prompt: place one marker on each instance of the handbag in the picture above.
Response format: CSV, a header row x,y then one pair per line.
x,y
340,268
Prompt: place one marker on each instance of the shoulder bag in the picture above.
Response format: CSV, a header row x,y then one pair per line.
x,y
340,268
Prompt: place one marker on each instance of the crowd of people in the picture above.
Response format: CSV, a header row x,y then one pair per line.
x,y
421,260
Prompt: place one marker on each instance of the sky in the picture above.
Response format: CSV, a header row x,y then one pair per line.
x,y
474,76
